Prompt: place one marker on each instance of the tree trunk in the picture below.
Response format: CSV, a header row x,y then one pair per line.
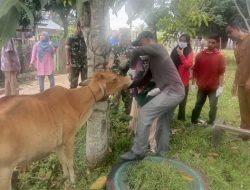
x,y
64,19
65,27
94,17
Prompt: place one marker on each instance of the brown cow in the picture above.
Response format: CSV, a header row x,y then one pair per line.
x,y
32,126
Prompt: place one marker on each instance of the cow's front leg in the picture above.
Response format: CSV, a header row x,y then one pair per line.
x,y
69,153
60,151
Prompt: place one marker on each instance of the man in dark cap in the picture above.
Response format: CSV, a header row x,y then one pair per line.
x,y
167,94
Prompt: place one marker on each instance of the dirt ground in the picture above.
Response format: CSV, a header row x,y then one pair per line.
x,y
31,87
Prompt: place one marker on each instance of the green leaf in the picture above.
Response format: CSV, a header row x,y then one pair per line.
x,y
8,25
82,1
27,11
43,2
199,21
6,5
205,20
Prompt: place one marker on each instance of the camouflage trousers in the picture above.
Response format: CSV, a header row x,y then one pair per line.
x,y
74,75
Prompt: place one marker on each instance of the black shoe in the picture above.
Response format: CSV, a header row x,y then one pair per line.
x,y
130,156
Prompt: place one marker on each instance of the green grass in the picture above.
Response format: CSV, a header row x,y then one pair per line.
x,y
148,175
225,167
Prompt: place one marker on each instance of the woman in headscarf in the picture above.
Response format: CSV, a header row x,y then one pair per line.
x,y
183,58
42,59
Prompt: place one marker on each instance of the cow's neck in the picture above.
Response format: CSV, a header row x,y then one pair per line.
x,y
84,98
81,100
97,90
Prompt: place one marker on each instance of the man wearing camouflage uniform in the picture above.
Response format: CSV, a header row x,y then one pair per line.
x,y
76,57
119,63
119,57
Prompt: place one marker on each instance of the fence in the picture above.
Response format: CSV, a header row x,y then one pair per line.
x,y
24,48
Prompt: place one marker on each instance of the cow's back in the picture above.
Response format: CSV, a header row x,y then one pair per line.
x,y
31,125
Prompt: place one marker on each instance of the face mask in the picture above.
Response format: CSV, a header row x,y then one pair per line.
x,y
182,45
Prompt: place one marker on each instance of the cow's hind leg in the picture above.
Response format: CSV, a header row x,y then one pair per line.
x,y
5,178
65,155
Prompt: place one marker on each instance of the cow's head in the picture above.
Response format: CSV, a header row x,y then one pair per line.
x,y
106,83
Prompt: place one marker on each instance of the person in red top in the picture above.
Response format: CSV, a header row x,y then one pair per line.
x,y
183,57
208,73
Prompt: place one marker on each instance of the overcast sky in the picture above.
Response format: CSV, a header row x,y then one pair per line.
x,y
120,20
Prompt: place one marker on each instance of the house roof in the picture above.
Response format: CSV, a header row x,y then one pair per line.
x,y
49,24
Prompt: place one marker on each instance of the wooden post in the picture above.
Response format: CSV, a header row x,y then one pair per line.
x,y
219,129
232,129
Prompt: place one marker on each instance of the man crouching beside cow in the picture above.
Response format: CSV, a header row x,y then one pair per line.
x,y
32,126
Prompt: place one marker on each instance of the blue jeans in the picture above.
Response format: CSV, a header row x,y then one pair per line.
x,y
41,81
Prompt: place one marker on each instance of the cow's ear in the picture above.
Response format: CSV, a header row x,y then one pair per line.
x,y
84,83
